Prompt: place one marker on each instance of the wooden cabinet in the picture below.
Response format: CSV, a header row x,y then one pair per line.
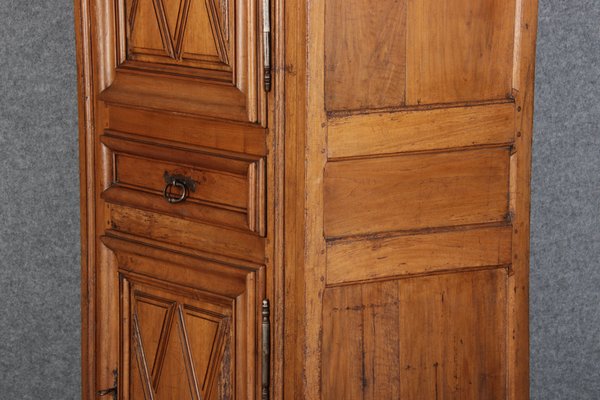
x,y
305,199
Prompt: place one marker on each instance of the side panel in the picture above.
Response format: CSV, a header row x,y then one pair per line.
x,y
413,241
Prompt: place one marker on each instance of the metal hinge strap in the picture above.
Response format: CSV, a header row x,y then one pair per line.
x,y
266,6
266,349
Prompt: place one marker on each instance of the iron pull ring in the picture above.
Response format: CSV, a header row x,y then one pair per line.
x,y
171,190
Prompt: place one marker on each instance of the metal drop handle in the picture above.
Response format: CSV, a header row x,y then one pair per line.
x,y
177,187
170,191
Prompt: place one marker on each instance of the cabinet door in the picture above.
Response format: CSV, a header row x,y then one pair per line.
x,y
187,326
418,141
192,56
174,132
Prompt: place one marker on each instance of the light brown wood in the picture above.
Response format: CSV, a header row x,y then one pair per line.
x,y
416,192
377,196
365,54
394,256
459,50
371,349
461,351
227,186
168,32
182,323
518,280
205,237
295,202
240,138
420,130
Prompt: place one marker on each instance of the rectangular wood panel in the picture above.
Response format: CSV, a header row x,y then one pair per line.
x,y
167,332
459,50
227,188
198,57
241,138
416,191
361,350
181,232
377,258
460,348
396,132
436,337
173,94
364,54
211,186
192,35
185,322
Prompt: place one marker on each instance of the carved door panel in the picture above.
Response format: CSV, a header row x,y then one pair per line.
x,y
187,326
188,56
425,188
179,347
174,120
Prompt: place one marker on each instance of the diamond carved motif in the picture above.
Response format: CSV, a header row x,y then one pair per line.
x,y
178,350
182,31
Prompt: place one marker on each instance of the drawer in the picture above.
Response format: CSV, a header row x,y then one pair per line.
x,y
200,184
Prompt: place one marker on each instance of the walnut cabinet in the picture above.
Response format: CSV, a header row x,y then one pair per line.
x,y
305,199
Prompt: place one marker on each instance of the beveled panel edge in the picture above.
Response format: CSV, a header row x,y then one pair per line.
x,y
378,134
142,89
187,235
140,140
192,252
384,257
202,132
194,211
222,302
201,273
242,81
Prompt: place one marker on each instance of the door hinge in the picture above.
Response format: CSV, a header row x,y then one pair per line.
x,y
114,391
266,6
266,349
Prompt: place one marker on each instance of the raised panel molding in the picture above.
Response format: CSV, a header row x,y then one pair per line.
x,y
193,33
418,191
187,324
230,187
181,346
196,57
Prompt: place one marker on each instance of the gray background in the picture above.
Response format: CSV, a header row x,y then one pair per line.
x,y
39,227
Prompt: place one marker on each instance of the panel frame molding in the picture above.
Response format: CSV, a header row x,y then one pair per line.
x,y
235,95
218,69
131,337
245,167
138,262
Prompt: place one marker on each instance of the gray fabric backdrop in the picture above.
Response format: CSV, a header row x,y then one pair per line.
x,y
39,226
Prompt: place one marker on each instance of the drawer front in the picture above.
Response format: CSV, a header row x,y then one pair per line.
x,y
224,189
